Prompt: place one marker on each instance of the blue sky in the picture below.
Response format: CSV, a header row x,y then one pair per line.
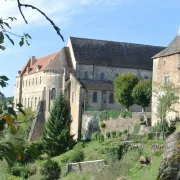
x,y
154,22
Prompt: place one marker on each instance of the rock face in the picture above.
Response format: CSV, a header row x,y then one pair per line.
x,y
170,164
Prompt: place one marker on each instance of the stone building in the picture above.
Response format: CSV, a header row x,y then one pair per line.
x,y
166,68
84,71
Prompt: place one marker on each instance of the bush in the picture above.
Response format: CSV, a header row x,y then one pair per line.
x,y
97,136
151,136
113,134
125,114
10,177
102,125
125,131
80,145
158,152
22,171
77,156
119,133
141,118
136,128
64,158
50,170
108,134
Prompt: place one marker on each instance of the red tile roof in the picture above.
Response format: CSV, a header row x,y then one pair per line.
x,y
41,62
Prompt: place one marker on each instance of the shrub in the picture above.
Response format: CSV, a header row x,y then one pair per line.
x,y
113,134
102,125
141,118
158,152
108,134
50,170
77,156
80,145
151,136
125,131
64,158
97,136
10,177
136,128
22,171
125,114
119,133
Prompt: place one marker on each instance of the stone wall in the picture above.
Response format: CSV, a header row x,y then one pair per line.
x,y
86,166
165,67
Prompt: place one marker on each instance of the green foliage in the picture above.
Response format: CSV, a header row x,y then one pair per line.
x,y
136,128
102,125
22,171
142,93
119,133
11,177
97,136
108,134
50,170
112,114
158,152
141,118
79,145
123,87
77,155
113,134
65,158
57,138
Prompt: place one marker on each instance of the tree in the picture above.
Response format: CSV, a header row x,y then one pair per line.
x,y
142,93
167,96
123,87
8,120
57,138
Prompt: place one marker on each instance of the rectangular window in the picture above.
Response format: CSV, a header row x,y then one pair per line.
x,y
33,82
166,79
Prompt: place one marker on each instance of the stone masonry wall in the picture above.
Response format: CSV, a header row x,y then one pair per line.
x,y
86,166
165,67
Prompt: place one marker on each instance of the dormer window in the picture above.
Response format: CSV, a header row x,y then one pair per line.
x,y
50,61
38,67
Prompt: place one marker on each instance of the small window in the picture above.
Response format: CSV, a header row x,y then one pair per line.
x,y
32,103
111,98
26,83
25,102
29,82
53,93
44,94
28,102
94,97
33,82
73,97
40,80
35,103
102,76
86,75
36,80
166,79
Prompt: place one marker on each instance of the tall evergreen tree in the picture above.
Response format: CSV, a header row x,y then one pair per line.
x,y
57,138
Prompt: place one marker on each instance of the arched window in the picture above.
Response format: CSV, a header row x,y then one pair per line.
x,y
102,76
111,98
53,93
94,97
44,94
86,75
73,97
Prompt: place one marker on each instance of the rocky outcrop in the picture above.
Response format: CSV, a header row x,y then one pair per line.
x,y
170,164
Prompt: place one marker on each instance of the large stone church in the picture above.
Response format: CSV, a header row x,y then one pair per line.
x,y
84,71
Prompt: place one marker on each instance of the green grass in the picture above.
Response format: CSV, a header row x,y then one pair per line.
x,y
3,170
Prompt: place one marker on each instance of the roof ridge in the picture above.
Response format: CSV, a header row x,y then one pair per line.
x,y
116,41
47,55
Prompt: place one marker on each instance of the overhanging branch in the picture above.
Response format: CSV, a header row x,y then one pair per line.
x,y
20,5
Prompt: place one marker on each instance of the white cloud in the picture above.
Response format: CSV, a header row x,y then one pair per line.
x,y
61,11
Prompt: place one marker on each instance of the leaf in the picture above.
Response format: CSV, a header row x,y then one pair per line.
x,y
12,112
4,78
7,25
21,43
14,130
2,47
28,36
9,39
1,37
3,84
27,42
19,105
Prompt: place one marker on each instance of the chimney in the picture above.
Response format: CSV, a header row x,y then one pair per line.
x,y
32,61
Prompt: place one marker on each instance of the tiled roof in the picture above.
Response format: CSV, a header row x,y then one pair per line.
x,y
41,62
113,54
173,48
